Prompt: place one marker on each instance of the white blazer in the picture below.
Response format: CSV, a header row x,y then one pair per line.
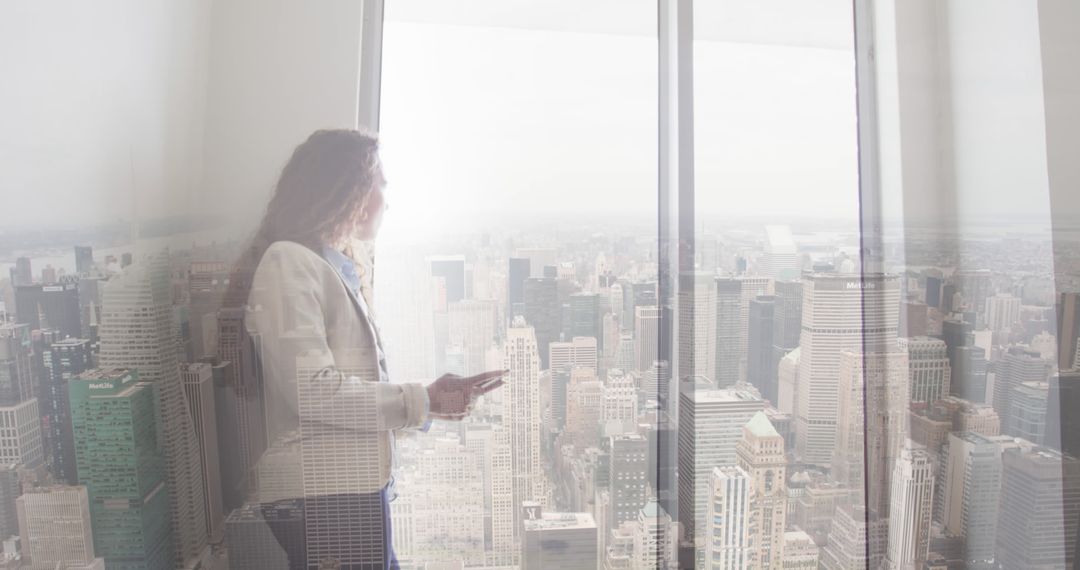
x,y
328,416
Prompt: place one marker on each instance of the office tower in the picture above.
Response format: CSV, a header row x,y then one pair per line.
x,y
914,319
22,273
206,286
620,402
451,269
840,312
933,291
909,513
54,527
857,540
1027,411
1068,330
782,422
250,542
780,260
48,275
240,404
1040,491
786,326
1062,423
84,259
760,369
624,358
872,412
975,285
970,481
654,539
787,382
727,329
517,273
800,551
10,489
560,383
538,258
979,418
967,378
472,326
65,360
567,541
20,440
585,318
752,287
728,520
543,313
121,462
57,303
1002,312
577,353
584,408
928,369
646,339
137,333
1017,365
492,444
710,425
760,453
16,363
198,379
697,326
521,413
617,304
628,477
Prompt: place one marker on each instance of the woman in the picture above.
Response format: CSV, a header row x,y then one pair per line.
x,y
332,414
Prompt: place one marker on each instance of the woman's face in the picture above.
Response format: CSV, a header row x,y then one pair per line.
x,y
371,212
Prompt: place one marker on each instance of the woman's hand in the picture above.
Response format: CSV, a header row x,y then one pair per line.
x,y
451,396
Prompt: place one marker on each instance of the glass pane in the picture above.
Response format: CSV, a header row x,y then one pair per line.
x,y
520,147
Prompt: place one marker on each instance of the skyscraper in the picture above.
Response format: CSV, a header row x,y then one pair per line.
x,y
54,527
521,414
970,482
65,360
16,360
628,477
760,368
646,339
137,332
729,341
1068,330
1040,491
1027,411
567,541
20,440
517,273
752,287
710,425
253,546
585,317
760,453
84,259
22,273
728,520
472,326
909,514
542,313
840,312
1017,365
1002,311
451,269
58,303
240,404
928,368
780,260
120,461
580,352
198,381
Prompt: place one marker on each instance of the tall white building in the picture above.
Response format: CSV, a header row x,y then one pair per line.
x,y
20,438
54,525
780,260
970,482
840,311
1002,311
620,399
522,414
760,453
910,511
492,444
646,335
697,326
654,539
710,425
728,521
137,332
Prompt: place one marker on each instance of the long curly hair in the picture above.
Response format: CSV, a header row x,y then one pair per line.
x,y
317,200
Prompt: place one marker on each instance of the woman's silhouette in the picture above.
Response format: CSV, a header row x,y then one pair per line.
x,y
331,411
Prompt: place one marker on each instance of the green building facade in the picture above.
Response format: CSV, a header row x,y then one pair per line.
x,y
121,461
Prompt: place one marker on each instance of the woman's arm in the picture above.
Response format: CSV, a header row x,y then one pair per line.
x,y
286,310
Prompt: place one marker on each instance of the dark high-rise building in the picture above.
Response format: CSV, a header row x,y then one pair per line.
x,y
207,284
16,364
1062,421
251,543
643,293
84,259
10,489
63,360
58,303
914,319
628,478
1068,330
451,269
240,404
760,369
543,313
729,340
517,273
968,374
585,318
933,291
948,293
